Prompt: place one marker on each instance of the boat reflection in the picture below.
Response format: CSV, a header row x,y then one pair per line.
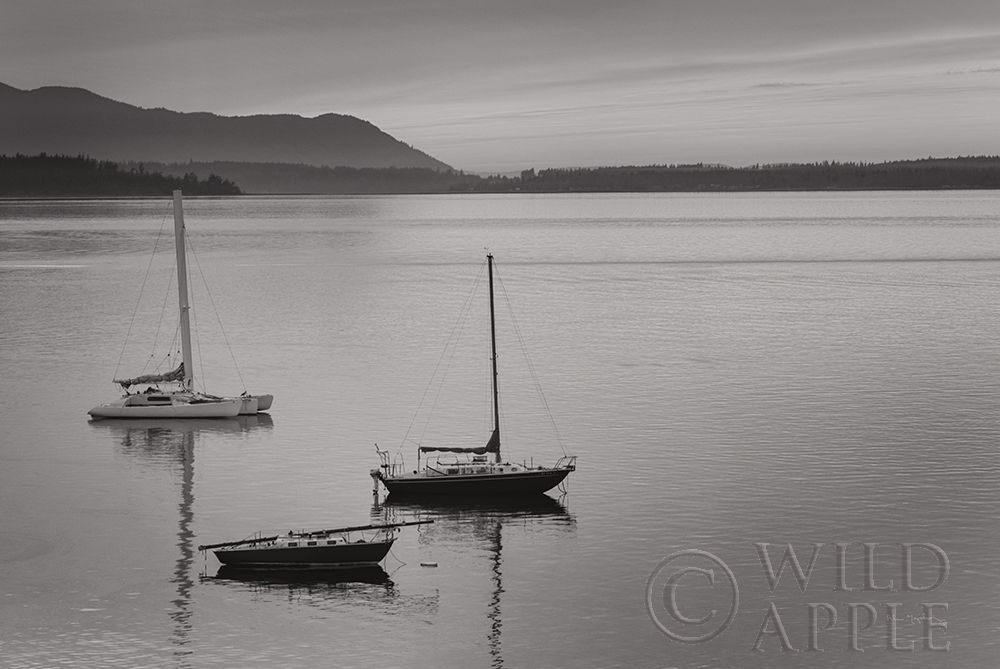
x,y
162,441
171,443
459,519
304,578
167,431
453,507
370,588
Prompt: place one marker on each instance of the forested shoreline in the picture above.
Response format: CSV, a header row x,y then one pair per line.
x,y
979,172
82,176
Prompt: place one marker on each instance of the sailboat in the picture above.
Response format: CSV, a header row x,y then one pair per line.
x,y
178,399
334,548
476,475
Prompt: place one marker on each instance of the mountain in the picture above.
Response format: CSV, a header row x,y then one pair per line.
x,y
73,121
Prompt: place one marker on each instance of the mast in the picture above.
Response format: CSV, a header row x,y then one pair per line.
x,y
493,341
182,292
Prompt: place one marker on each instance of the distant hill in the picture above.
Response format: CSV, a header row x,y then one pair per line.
x,y
74,121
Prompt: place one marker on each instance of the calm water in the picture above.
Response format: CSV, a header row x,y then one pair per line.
x,y
730,369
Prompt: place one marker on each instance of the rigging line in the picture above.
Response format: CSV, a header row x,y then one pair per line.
x,y
527,359
468,300
135,311
504,424
456,332
173,344
501,418
163,309
193,311
488,394
166,358
218,318
451,348
200,376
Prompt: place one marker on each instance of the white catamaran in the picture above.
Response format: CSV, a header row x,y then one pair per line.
x,y
172,394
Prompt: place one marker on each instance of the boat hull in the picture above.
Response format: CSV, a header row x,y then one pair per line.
x,y
327,557
532,482
252,404
223,409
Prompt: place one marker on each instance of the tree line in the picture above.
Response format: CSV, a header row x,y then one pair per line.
x,y
82,176
975,172
297,179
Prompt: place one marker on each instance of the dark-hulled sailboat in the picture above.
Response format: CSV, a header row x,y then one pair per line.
x,y
475,476
356,546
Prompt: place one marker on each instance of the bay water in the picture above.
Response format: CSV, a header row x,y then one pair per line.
x,y
743,377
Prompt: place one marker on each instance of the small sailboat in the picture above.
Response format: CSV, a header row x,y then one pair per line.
x,y
178,399
341,547
473,474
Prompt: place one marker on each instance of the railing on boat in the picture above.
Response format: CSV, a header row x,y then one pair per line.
x,y
566,462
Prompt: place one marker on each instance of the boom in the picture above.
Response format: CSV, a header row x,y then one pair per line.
x,y
338,530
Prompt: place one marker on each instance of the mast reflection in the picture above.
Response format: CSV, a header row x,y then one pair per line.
x,y
181,615
171,443
457,519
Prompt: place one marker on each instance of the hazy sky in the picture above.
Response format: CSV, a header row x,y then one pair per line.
x,y
509,84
